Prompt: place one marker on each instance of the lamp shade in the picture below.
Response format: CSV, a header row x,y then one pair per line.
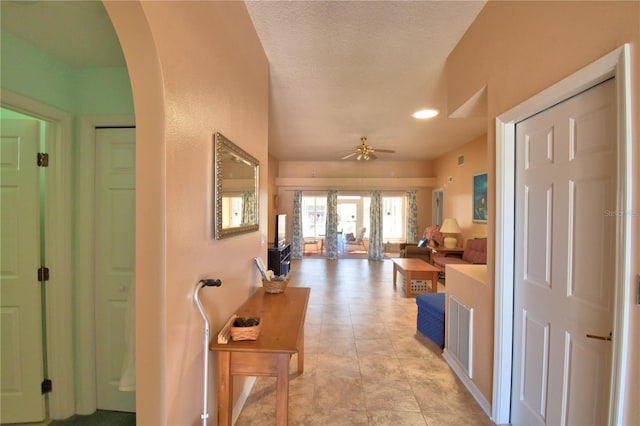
x,y
450,226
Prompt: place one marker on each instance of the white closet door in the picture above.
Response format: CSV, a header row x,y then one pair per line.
x,y
115,261
566,185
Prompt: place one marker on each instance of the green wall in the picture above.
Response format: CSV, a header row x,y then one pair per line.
x,y
35,75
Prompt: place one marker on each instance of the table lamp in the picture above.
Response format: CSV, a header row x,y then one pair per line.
x,y
450,226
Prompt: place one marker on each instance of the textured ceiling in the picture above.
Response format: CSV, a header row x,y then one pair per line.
x,y
339,69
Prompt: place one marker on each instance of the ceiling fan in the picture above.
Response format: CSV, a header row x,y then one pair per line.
x,y
366,152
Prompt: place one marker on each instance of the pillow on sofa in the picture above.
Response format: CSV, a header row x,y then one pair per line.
x,y
433,235
422,242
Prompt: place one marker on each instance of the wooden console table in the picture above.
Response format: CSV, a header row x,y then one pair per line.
x,y
282,335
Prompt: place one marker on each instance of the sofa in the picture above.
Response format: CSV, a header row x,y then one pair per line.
x,y
475,252
431,237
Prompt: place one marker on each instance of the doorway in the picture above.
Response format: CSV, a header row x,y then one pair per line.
x,y
615,64
437,203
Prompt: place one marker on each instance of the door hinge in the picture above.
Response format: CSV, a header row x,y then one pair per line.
x,y
46,386
43,274
43,159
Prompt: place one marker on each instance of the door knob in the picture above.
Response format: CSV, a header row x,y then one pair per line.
x,y
607,338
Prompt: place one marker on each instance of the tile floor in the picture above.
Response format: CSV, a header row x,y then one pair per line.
x,y
365,363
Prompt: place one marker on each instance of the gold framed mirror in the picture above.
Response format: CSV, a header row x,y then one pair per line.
x,y
235,189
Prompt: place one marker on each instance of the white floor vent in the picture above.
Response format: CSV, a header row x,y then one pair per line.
x,y
460,337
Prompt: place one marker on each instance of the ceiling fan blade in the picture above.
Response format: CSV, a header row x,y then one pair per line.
x,y
366,152
349,156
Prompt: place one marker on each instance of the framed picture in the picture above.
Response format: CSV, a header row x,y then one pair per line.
x,y
480,197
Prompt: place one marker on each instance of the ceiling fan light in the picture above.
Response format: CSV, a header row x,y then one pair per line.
x,y
423,114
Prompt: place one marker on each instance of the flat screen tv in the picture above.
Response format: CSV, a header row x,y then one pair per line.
x,y
281,230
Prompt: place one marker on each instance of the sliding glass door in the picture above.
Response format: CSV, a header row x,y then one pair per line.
x,y
353,214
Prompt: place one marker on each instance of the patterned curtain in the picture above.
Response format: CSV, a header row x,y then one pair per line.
x,y
297,242
331,231
412,217
376,245
248,208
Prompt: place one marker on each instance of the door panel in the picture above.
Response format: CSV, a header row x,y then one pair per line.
x,y
115,261
538,229
590,282
533,382
565,182
20,311
587,366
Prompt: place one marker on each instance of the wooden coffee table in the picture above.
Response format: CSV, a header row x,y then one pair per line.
x,y
415,269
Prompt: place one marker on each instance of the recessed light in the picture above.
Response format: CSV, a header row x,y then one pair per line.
x,y
425,113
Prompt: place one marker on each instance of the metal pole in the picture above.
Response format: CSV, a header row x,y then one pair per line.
x,y
205,378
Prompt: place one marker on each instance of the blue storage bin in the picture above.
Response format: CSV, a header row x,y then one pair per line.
x,y
430,320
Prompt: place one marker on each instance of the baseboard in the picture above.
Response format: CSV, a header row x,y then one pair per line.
x,y
239,405
468,383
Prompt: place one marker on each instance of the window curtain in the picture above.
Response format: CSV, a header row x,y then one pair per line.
x,y
412,217
248,208
297,242
331,231
376,246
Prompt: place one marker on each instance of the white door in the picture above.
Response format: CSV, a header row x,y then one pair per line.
x,y
21,371
115,260
565,221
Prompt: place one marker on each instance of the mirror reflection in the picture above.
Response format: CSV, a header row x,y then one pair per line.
x,y
236,189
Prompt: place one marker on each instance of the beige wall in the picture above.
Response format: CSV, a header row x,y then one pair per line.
x,y
188,81
356,169
517,49
458,194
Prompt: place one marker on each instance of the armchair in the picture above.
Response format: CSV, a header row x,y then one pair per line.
x,y
358,240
